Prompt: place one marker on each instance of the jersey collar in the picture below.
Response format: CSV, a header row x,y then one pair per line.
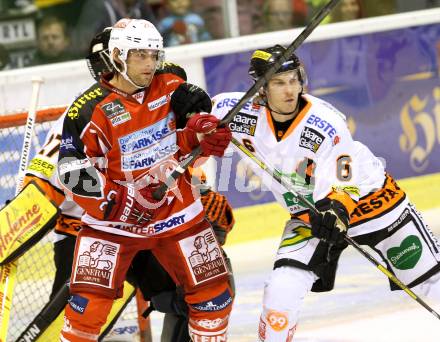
x,y
295,121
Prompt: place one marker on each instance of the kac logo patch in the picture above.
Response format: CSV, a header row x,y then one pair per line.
x,y
112,109
116,112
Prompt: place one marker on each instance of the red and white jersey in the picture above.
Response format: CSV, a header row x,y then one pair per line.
x,y
111,139
318,154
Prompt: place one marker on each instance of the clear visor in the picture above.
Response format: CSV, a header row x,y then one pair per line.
x,y
141,54
286,66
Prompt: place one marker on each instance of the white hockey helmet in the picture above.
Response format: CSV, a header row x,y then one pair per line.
x,y
129,34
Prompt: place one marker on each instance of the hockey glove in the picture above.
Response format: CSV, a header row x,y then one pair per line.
x,y
189,98
132,206
330,224
175,69
213,139
171,302
219,213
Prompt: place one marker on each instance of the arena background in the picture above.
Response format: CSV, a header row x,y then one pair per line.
x,y
382,72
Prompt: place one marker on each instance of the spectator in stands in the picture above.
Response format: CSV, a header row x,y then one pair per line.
x,y
96,15
52,42
284,14
373,8
250,17
347,10
299,12
212,13
182,26
314,6
278,15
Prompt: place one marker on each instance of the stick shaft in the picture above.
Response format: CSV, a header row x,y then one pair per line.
x,y
28,133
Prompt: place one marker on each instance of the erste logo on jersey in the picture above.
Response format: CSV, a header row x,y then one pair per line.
x,y
116,112
231,102
310,139
326,126
244,123
147,146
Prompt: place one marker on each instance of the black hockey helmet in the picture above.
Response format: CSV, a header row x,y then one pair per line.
x,y
263,59
98,59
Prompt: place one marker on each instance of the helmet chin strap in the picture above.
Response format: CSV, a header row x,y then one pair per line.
x,y
283,113
124,74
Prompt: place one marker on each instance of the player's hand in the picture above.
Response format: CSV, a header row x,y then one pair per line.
x,y
189,98
330,223
133,206
213,139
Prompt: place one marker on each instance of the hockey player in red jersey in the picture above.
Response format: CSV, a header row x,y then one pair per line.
x,y
119,140
308,141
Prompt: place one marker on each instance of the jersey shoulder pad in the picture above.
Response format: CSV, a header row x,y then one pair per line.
x,y
85,103
230,98
327,107
326,121
171,68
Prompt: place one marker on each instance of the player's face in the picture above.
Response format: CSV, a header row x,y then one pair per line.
x,y
141,65
282,91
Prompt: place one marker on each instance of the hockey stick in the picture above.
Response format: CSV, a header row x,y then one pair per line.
x,y
8,272
314,22
29,132
286,183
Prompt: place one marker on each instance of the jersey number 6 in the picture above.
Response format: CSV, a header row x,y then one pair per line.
x,y
343,168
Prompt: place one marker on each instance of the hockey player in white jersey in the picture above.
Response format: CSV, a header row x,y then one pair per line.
x,y
308,140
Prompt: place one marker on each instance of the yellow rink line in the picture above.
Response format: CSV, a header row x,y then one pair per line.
x,y
267,220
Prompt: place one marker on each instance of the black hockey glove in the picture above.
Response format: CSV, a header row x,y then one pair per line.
x,y
175,69
331,223
189,98
171,302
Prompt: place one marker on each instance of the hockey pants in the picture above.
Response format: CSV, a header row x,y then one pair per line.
x,y
193,259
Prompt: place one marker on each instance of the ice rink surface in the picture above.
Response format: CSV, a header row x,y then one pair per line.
x,y
360,308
